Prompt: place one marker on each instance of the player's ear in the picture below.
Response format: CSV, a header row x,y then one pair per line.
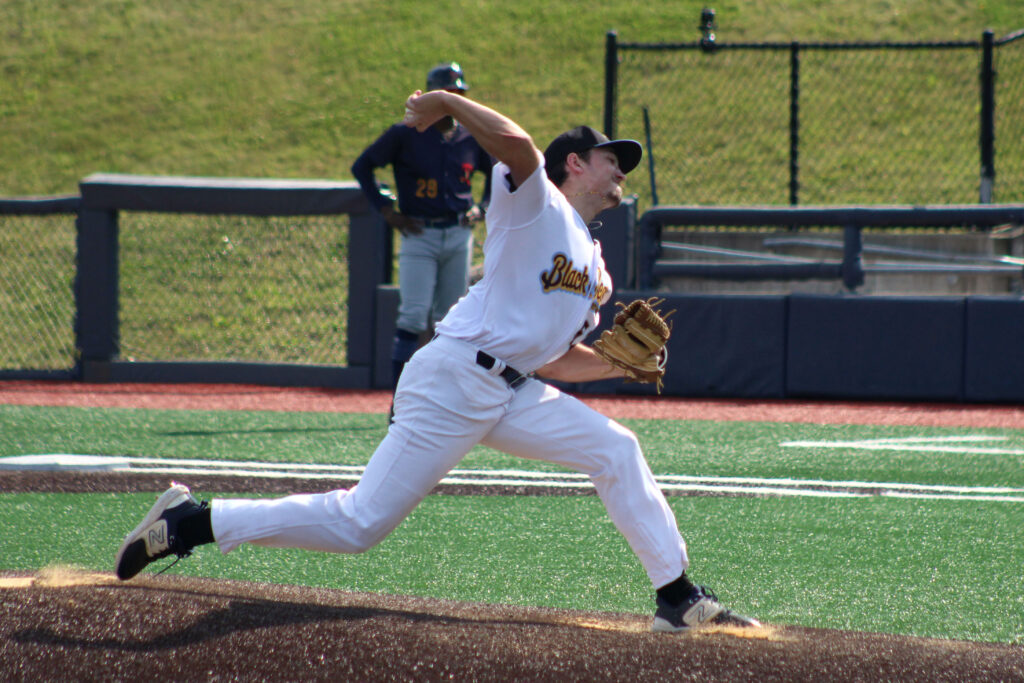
x,y
573,163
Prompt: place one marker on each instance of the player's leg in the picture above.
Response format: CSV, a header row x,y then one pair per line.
x,y
401,472
545,424
417,277
444,405
447,402
453,269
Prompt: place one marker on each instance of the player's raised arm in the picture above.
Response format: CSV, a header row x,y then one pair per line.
x,y
499,135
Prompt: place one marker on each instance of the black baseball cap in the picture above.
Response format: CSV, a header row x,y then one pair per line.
x,y
448,76
582,138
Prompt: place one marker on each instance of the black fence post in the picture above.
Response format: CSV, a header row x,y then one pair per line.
x,y
611,75
988,114
648,139
794,123
369,264
97,331
648,249
852,268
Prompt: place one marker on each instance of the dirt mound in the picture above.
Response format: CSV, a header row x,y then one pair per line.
x,y
90,627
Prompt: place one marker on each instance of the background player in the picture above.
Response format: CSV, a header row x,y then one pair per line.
x,y
543,285
433,171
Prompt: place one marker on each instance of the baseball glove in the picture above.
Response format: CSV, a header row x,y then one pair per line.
x,y
636,341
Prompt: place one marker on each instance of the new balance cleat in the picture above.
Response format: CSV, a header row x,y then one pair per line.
x,y
157,535
700,609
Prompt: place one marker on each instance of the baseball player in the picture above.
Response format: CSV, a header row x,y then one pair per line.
x,y
433,171
479,381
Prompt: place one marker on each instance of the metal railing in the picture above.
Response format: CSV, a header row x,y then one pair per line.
x,y
652,262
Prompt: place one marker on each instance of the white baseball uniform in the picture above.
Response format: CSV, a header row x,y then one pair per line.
x,y
544,281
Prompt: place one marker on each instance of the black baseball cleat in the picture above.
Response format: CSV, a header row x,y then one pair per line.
x,y
700,609
157,535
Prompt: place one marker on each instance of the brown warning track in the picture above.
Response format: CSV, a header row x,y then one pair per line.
x,y
251,397
65,624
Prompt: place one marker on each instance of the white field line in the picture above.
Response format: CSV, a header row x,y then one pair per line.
x,y
921,444
532,478
528,480
997,499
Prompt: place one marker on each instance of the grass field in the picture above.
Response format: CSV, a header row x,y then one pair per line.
x,y
278,89
941,564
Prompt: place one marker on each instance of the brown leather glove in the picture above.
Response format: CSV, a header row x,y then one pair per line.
x,y
636,341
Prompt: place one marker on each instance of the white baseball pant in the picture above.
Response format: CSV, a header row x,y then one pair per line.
x,y
445,405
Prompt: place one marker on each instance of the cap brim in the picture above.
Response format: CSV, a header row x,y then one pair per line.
x,y
629,153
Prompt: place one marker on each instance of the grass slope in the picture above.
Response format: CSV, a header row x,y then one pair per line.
x,y
275,88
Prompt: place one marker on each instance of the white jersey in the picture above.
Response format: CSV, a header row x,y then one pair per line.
x,y
544,278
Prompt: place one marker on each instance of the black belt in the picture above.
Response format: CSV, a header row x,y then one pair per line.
x,y
509,374
443,221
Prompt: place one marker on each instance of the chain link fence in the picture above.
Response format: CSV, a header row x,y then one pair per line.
x,y
233,288
192,288
821,123
145,278
37,306
1009,120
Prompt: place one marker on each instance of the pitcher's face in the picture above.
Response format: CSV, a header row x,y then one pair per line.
x,y
604,177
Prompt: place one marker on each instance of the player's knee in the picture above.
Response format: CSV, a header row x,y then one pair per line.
x,y
624,440
621,450
369,533
417,325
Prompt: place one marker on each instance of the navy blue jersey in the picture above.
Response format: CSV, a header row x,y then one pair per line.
x,y
433,176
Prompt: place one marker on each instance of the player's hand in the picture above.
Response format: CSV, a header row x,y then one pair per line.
x,y
474,215
422,110
400,222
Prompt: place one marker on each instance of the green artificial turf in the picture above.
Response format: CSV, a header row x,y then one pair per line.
x,y
699,447
946,569
931,566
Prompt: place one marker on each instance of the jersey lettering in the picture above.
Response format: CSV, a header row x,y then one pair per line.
x,y
563,276
426,187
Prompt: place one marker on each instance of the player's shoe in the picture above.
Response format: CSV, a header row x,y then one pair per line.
x,y
700,609
157,535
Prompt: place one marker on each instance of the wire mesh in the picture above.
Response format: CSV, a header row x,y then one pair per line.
x,y
1009,64
37,307
875,124
233,288
879,138
714,141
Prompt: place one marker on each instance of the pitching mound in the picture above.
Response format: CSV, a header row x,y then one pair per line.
x,y
78,626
